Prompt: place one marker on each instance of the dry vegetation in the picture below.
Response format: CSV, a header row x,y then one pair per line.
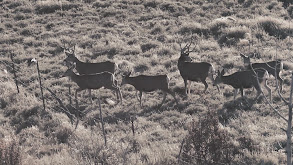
x,y
142,36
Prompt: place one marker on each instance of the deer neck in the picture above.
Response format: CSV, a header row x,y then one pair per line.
x,y
76,60
131,81
226,80
73,76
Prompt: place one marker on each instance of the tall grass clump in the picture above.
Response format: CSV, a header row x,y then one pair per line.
x,y
290,11
207,143
47,7
218,25
193,28
275,27
232,36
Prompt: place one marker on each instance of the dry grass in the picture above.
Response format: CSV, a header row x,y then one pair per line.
x,y
142,37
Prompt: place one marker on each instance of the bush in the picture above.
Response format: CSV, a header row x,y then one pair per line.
x,y
193,28
290,11
51,7
101,4
217,27
206,143
63,135
148,46
274,27
232,36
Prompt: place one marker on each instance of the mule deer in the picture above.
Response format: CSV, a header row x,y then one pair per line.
x,y
144,83
93,81
84,68
193,71
88,68
245,79
273,67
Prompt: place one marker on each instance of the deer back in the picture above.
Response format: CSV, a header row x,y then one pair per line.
x,y
149,83
269,66
194,70
94,81
91,68
245,79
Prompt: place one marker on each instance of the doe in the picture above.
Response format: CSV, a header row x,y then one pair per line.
x,y
273,67
94,81
144,83
245,79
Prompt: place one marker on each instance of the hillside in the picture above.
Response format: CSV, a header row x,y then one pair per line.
x,y
143,37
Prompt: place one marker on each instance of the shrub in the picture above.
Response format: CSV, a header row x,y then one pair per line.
x,y
9,153
232,36
194,28
150,4
148,46
290,11
286,3
141,68
63,135
207,143
19,17
26,32
217,27
14,4
52,6
274,27
99,4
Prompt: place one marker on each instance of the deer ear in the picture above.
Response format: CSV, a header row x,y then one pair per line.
x,y
128,74
72,66
219,73
242,55
222,72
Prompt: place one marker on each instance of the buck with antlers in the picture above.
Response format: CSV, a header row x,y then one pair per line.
x,y
193,71
93,81
273,67
245,79
144,83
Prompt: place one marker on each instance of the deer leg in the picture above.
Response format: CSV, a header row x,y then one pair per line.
x,y
235,93
281,82
76,102
242,92
140,96
90,95
117,90
185,84
269,90
165,94
173,94
189,86
137,96
205,84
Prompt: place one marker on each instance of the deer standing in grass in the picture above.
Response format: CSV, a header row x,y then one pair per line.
x,y
94,81
144,83
273,67
84,68
245,79
193,71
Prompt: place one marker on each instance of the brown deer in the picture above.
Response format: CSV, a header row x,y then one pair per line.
x,y
245,79
144,83
273,67
94,81
193,71
84,68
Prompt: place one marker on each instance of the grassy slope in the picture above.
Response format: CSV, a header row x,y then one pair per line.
x,y
142,36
